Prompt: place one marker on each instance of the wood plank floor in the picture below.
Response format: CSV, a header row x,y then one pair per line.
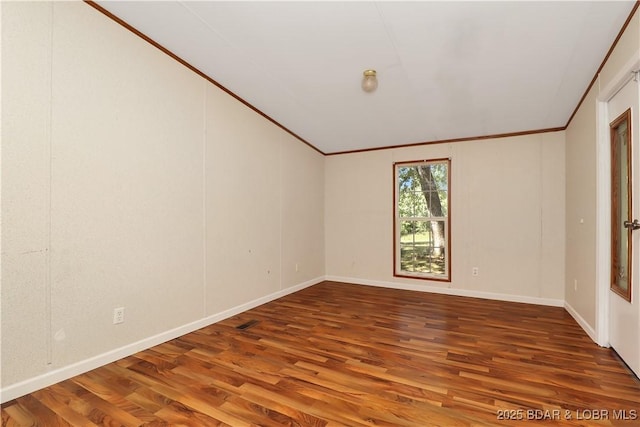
x,y
347,355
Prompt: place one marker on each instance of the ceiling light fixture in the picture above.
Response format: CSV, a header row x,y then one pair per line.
x,y
369,81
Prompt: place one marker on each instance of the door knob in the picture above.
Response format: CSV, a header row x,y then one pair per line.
x,y
632,225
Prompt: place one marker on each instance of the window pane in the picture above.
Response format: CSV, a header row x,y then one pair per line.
x,y
444,201
411,200
422,247
411,204
621,242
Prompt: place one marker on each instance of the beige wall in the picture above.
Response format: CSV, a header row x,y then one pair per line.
x,y
582,183
25,177
128,180
507,204
264,203
580,217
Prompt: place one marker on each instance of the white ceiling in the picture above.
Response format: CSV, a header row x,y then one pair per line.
x,y
446,69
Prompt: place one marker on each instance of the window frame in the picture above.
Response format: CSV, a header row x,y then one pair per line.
x,y
397,268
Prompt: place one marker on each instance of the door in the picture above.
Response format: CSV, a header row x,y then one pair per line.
x,y
624,309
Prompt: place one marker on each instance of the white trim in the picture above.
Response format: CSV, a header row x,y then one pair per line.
x,y
36,383
623,76
451,291
603,225
584,324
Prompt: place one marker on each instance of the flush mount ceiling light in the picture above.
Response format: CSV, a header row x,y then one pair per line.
x,y
369,81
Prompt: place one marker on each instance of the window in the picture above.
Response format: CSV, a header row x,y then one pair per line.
x,y
421,244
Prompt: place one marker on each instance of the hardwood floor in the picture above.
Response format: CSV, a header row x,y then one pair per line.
x,y
349,355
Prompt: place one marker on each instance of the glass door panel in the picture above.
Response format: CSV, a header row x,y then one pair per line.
x,y
621,213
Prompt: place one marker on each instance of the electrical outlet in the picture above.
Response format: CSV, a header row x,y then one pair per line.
x,y
575,284
475,271
297,267
118,315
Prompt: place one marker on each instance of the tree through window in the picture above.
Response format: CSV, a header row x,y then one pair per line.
x,y
422,247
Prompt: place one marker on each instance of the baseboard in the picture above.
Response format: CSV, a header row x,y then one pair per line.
x,y
41,381
583,323
451,291
28,386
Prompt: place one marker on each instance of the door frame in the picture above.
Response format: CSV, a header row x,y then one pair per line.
x,y
603,196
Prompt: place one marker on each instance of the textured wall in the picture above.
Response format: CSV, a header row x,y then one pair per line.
x,y
128,180
507,204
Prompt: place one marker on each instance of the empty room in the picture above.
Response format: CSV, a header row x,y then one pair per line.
x,y
320,213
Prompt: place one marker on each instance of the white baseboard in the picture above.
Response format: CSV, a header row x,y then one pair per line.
x,y
451,291
30,385
583,323
36,383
